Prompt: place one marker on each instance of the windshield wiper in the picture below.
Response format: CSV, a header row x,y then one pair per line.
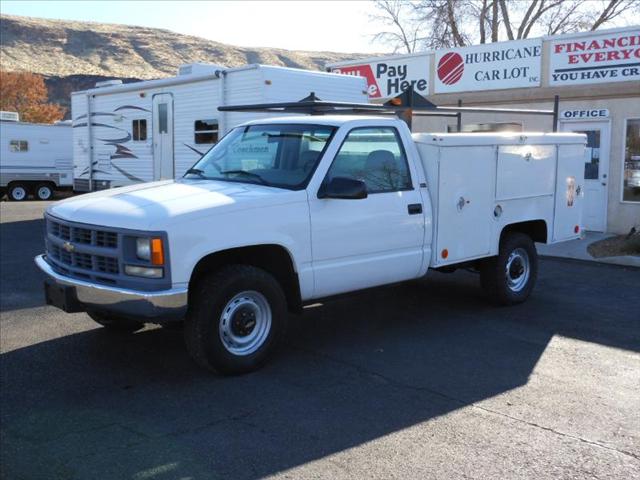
x,y
195,171
248,173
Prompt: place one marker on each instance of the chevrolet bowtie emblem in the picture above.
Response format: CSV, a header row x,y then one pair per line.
x,y
68,246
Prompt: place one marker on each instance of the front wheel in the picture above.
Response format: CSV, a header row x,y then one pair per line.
x,y
510,277
237,316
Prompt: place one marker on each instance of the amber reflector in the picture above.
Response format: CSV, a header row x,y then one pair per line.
x,y
445,253
157,252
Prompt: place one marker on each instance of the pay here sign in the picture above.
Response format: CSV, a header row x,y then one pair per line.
x,y
390,77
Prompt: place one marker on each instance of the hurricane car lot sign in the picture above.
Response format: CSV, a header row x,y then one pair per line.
x,y
489,67
390,77
612,57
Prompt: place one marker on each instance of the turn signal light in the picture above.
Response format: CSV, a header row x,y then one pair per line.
x,y
444,253
157,251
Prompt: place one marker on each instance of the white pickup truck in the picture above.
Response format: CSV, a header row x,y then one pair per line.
x,y
285,211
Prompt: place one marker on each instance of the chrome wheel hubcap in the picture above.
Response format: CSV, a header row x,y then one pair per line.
x,y
19,193
44,193
245,323
518,269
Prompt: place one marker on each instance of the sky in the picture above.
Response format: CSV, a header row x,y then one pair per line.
x,y
338,26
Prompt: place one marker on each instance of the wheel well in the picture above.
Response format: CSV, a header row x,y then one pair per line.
x,y
536,229
274,259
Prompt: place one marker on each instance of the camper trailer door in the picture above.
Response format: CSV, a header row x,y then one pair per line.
x,y
163,165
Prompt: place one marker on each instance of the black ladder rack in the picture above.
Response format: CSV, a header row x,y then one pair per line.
x,y
406,105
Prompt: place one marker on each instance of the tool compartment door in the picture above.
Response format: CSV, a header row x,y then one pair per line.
x,y
465,195
569,192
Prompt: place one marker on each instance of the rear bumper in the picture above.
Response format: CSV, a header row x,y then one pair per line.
x,y
73,295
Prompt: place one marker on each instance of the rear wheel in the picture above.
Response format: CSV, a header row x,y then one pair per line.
x,y
44,191
18,192
510,277
114,323
236,318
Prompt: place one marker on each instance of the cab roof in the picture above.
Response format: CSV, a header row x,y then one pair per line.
x,y
332,120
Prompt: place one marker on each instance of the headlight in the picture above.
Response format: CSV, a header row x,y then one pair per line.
x,y
150,249
143,248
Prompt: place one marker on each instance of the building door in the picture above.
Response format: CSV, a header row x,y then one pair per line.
x,y
163,165
596,172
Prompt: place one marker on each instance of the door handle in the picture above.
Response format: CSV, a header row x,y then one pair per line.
x,y
414,208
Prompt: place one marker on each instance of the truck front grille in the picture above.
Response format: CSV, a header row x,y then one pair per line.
x,y
84,235
83,251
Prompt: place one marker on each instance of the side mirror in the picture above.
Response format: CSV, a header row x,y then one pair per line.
x,y
343,188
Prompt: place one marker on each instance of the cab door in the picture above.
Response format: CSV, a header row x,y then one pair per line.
x,y
377,240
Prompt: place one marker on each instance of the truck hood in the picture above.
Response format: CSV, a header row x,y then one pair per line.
x,y
149,206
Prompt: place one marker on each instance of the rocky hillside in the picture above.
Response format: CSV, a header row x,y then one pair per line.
x,y
74,55
62,48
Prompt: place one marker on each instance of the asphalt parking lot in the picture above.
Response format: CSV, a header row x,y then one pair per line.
x,y
422,380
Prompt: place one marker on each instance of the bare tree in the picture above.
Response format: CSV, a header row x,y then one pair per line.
x,y
403,32
427,24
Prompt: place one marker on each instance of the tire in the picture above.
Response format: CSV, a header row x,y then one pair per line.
x,y
114,323
237,317
18,192
509,278
44,191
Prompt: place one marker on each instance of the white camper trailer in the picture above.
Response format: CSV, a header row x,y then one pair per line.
x,y
157,129
36,158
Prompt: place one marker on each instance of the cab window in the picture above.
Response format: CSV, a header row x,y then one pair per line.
x,y
374,156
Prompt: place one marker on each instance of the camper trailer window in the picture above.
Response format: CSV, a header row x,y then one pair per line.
x,y
162,118
139,129
206,131
18,146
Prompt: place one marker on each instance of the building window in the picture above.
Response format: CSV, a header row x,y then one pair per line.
x,y
18,146
139,130
631,183
206,131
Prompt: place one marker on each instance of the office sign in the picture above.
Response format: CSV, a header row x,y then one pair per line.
x,y
493,66
584,114
388,78
612,57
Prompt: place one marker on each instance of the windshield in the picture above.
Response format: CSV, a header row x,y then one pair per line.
x,y
282,156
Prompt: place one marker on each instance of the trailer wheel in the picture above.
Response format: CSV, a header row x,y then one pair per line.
x,y
44,191
237,316
18,192
114,323
510,277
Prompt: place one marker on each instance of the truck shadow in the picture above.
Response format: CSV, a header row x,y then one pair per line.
x,y
21,284
352,371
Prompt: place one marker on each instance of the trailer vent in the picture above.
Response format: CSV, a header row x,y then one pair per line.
x,y
109,83
10,116
199,69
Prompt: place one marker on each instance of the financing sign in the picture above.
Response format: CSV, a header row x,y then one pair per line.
x,y
612,57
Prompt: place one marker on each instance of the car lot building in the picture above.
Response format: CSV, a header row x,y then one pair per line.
x,y
596,75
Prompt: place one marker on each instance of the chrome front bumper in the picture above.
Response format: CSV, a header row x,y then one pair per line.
x,y
165,304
